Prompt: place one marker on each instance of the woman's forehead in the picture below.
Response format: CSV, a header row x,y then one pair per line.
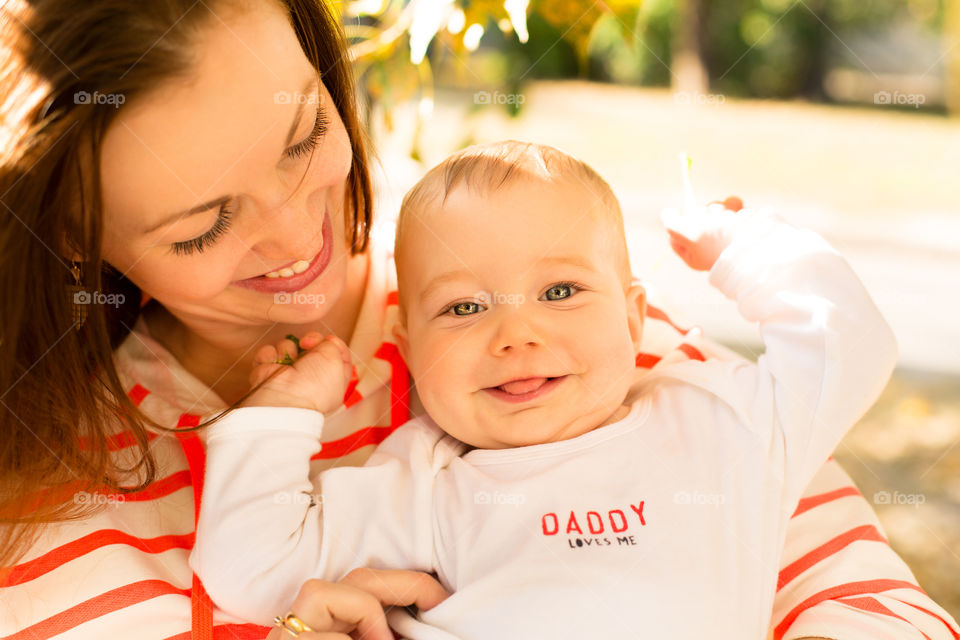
x,y
193,137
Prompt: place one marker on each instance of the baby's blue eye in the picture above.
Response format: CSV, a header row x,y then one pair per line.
x,y
559,292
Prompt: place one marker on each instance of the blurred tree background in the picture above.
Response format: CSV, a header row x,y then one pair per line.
x,y
834,51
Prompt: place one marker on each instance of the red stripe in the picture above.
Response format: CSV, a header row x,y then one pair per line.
x,y
691,352
399,383
795,568
810,502
124,439
350,396
201,607
61,555
951,627
873,606
647,360
659,314
114,600
231,632
840,591
356,440
393,298
117,441
158,489
137,393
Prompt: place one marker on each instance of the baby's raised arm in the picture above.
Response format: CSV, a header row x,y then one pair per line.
x,y
829,352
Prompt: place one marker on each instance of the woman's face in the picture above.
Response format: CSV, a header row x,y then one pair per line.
x,y
232,142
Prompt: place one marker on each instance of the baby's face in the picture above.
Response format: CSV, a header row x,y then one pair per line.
x,y
518,328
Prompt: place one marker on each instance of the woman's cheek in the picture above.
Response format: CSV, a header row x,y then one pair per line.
x,y
183,278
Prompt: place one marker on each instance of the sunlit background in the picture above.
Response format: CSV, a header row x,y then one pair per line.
x,y
835,112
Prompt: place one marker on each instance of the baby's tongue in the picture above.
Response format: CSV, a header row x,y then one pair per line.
x,y
518,387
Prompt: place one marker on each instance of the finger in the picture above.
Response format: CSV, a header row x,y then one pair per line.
x,y
342,346
340,607
281,634
261,372
266,353
733,203
286,348
680,247
398,587
310,340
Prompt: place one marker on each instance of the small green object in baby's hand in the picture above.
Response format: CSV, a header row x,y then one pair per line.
x,y
295,340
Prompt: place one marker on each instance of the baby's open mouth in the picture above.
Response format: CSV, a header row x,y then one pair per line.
x,y
526,385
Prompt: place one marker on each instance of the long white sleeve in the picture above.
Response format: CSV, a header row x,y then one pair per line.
x,y
264,530
256,503
829,352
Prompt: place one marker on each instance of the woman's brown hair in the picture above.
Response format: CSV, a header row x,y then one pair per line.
x,y
60,393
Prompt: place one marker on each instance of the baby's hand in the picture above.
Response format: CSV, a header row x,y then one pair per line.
x,y
701,235
316,379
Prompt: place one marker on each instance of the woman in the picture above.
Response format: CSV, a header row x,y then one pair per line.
x,y
211,154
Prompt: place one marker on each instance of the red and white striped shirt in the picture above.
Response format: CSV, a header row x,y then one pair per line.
x,y
123,572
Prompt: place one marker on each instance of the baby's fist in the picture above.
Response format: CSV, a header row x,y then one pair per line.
x,y
700,236
316,379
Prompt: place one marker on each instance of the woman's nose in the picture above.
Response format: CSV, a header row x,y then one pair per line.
x,y
289,230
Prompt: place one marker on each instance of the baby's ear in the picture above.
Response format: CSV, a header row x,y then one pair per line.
x,y
400,337
636,314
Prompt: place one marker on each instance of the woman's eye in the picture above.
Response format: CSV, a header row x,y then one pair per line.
x,y
306,147
560,291
198,244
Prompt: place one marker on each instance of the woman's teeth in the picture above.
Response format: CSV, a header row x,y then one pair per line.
x,y
297,267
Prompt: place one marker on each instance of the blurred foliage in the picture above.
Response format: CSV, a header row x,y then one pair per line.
x,y
749,48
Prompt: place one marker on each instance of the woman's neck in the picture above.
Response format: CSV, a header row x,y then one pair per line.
x,y
222,359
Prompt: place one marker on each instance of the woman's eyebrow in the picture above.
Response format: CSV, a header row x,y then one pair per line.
x,y
216,202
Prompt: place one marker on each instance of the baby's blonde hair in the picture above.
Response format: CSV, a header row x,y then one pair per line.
x,y
486,167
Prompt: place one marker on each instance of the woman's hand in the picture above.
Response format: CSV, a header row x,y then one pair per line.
x,y
353,607
315,379
701,235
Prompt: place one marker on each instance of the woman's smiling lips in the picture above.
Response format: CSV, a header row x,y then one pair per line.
x,y
262,284
524,389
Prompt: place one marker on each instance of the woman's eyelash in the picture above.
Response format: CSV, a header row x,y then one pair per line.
x,y
299,150
198,244
306,147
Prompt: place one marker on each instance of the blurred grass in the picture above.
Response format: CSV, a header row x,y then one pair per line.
x,y
907,450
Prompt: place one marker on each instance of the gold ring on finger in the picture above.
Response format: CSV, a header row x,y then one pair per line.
x,y
291,624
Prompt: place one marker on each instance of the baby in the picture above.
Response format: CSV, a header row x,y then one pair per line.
x,y
554,490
